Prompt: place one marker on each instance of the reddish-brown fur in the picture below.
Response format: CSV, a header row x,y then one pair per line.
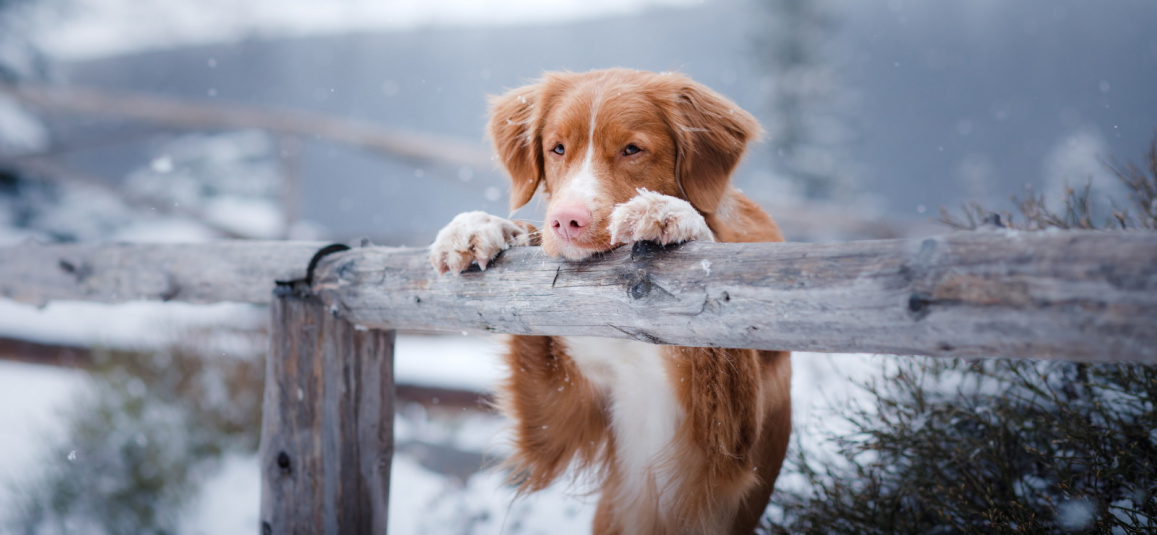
x,y
736,410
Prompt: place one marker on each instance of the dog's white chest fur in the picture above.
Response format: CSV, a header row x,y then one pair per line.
x,y
644,411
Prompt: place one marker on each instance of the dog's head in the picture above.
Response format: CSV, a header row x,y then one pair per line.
x,y
591,140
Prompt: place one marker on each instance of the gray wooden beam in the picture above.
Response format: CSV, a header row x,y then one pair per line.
x,y
236,271
1075,295
327,424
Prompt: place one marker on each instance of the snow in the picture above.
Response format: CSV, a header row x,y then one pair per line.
x,y
194,187
1076,514
466,362
163,230
823,387
456,362
128,325
228,179
256,218
230,501
1077,159
31,398
422,500
101,28
424,503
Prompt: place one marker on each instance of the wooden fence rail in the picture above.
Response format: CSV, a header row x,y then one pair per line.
x,y
1076,295
326,436
1083,296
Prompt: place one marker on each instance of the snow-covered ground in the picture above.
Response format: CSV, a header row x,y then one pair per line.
x,y
31,397
422,500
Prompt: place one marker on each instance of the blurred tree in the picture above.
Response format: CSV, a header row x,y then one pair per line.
x,y
993,446
807,101
147,432
20,58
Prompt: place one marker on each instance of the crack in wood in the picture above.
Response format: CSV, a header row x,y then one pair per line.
x,y
172,288
640,336
715,303
640,289
81,273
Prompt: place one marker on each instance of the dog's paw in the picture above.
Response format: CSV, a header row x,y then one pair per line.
x,y
474,237
651,216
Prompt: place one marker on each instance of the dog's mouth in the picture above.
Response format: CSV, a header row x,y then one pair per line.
x,y
580,249
574,252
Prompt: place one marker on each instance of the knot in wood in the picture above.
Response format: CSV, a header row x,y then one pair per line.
x,y
284,463
640,286
918,305
81,272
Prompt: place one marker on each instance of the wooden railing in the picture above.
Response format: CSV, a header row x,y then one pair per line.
x,y
327,440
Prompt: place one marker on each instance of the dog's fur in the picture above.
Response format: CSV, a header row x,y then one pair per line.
x,y
681,439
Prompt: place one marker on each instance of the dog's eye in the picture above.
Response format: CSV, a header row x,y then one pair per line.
x,y
631,149
559,149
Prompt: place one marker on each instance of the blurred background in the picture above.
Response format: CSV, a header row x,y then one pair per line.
x,y
194,120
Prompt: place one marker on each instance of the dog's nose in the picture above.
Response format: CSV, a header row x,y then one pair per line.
x,y
569,221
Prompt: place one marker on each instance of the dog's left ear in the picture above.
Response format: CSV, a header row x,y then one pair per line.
x,y
515,127
711,134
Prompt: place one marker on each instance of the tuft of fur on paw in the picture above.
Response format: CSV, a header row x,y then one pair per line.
x,y
474,237
651,216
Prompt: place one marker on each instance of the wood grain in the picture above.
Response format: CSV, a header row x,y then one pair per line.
x,y
327,424
1077,295
237,271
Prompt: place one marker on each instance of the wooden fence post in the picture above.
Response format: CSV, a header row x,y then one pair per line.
x,y
327,429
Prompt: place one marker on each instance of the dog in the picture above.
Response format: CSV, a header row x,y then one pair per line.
x,y
678,439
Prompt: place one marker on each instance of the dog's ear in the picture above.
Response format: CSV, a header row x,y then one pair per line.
x,y
517,135
711,135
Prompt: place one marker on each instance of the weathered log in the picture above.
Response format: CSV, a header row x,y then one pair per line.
x,y
1085,296
237,271
327,424
1078,295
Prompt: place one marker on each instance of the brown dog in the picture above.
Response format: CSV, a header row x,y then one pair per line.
x,y
681,439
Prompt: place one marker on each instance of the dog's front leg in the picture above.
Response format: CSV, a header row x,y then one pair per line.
x,y
651,216
561,418
476,238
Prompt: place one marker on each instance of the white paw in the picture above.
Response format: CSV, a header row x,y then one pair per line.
x,y
651,216
474,237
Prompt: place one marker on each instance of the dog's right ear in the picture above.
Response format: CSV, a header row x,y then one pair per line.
x,y
516,131
711,134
